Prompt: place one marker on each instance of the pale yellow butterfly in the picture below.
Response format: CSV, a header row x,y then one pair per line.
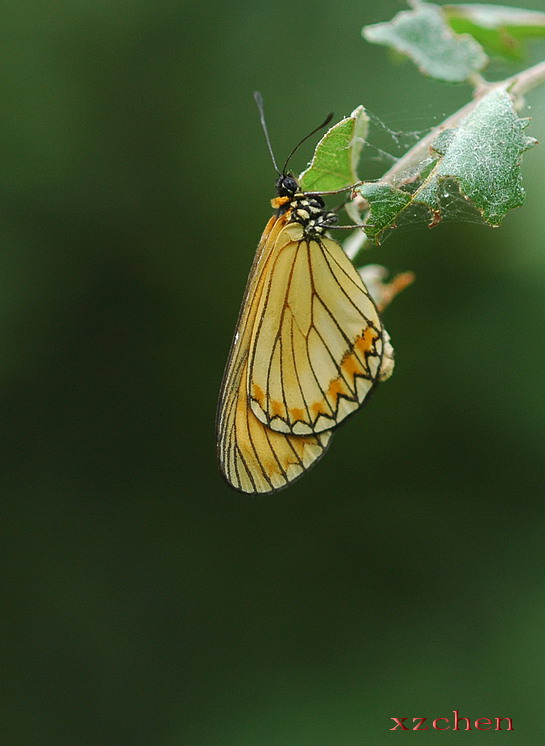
x,y
308,348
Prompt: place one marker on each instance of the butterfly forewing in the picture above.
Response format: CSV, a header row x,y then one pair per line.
x,y
253,457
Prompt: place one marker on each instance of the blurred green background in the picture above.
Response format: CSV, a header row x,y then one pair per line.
x,y
144,602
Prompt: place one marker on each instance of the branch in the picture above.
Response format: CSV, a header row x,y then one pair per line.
x,y
517,85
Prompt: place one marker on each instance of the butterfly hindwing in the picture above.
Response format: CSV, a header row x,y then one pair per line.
x,y
317,345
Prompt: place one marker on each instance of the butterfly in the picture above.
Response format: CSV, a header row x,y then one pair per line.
x,y
308,349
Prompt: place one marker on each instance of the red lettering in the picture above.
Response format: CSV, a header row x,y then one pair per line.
x,y
498,726
479,724
420,721
457,719
399,722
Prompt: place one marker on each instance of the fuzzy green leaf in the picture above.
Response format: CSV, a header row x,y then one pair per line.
x,y
424,35
385,204
500,29
335,160
482,155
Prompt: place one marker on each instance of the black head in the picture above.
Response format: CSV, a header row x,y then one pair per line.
x,y
286,186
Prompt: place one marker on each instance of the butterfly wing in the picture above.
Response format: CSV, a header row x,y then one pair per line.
x,y
318,346
252,457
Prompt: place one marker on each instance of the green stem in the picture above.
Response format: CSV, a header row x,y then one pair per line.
x,y
517,85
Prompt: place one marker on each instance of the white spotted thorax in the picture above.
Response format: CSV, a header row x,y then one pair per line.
x,y
311,213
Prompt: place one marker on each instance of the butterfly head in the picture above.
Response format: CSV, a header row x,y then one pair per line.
x,y
287,190
307,210
286,185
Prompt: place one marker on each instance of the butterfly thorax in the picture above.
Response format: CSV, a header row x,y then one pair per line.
x,y
307,210
311,213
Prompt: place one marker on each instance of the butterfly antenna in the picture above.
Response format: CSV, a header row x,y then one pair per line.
x,y
259,101
326,121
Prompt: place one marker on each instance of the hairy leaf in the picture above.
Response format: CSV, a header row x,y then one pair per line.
x,y
482,155
385,204
424,35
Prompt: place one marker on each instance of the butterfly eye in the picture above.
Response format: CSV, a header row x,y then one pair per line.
x,y
290,183
287,185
